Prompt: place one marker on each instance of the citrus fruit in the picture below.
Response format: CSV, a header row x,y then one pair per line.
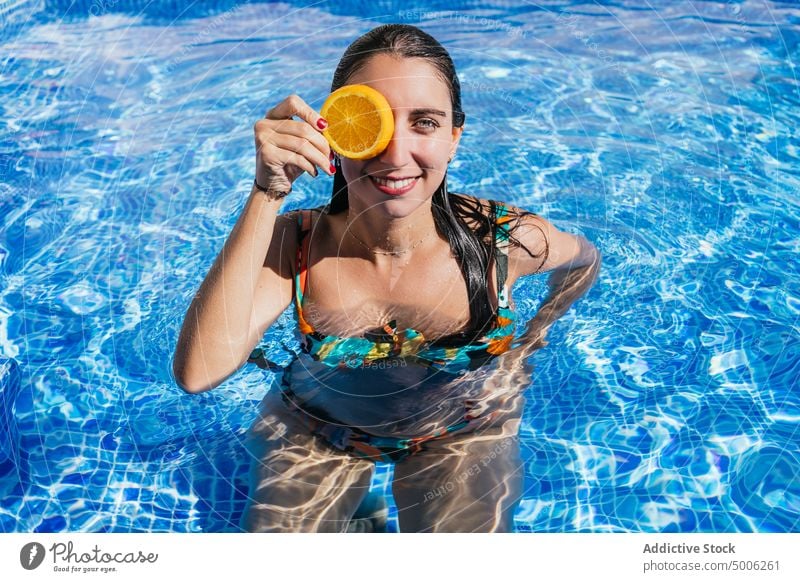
x,y
360,121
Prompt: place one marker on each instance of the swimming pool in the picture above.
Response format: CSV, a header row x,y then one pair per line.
x,y
667,398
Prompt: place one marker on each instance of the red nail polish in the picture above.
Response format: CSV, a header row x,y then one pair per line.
x,y
333,169
321,123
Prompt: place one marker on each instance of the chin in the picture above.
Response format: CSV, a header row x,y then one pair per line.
x,y
394,206
401,206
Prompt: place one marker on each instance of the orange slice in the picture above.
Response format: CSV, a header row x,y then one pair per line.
x,y
360,121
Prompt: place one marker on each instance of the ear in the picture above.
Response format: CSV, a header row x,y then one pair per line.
x,y
457,131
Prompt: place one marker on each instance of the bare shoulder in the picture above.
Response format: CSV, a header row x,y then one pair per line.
x,y
287,225
535,244
289,218
542,246
287,231
289,222
529,241
283,246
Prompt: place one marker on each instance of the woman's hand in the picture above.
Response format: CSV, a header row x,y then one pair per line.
x,y
286,148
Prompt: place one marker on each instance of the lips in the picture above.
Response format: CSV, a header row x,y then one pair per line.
x,y
394,186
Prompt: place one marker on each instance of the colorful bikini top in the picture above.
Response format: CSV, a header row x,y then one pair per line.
x,y
445,354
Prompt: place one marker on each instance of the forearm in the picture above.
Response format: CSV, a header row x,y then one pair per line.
x,y
216,331
565,286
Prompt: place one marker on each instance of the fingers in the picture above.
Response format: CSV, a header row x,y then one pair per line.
x,y
273,154
300,137
294,106
301,131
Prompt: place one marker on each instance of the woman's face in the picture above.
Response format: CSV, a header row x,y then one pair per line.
x,y
424,137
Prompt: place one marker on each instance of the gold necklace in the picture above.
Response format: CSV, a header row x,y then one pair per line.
x,y
400,252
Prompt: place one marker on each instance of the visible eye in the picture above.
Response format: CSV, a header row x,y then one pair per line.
x,y
428,123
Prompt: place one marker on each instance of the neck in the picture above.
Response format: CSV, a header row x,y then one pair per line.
x,y
384,233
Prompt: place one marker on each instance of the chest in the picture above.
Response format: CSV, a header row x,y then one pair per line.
x,y
347,297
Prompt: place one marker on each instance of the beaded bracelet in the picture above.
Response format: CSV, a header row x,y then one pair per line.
x,y
272,194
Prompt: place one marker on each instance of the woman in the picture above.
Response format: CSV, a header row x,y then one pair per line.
x,y
402,295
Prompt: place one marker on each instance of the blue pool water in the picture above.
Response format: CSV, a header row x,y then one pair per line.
x,y
666,400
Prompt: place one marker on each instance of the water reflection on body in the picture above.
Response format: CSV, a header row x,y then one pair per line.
x,y
467,481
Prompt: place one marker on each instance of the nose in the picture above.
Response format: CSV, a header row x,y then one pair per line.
x,y
398,153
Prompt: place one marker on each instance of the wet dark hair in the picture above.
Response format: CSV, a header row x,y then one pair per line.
x,y
470,246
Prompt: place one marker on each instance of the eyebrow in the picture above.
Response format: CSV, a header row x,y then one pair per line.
x,y
428,111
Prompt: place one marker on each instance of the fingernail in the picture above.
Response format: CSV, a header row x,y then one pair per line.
x,y
330,157
333,169
321,123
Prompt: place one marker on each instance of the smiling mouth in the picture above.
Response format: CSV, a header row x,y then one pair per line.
x,y
394,184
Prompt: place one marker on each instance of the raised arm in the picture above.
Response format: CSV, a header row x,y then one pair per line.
x,y
250,283
245,290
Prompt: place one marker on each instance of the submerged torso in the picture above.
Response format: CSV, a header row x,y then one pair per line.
x,y
397,399
386,378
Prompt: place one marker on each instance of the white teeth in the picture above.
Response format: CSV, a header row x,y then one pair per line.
x,y
396,184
